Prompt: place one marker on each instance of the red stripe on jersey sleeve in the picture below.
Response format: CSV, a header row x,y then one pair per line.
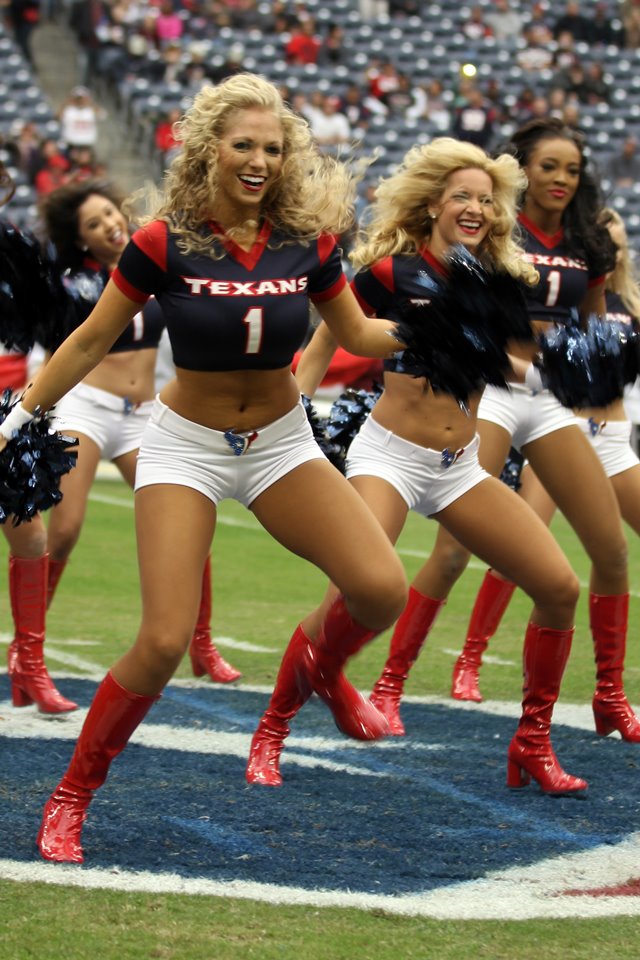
x,y
383,271
326,246
331,291
129,291
595,281
152,240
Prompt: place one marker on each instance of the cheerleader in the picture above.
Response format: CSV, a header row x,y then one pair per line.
x,y
609,431
109,409
418,449
28,556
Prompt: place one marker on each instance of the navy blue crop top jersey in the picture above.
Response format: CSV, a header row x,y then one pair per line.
x,y
249,310
85,286
393,279
564,277
616,310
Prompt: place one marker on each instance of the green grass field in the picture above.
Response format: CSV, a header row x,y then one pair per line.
x,y
98,601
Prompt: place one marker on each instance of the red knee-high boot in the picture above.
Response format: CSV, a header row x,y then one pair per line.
x,y
56,569
320,670
30,680
492,601
205,657
611,709
530,754
409,635
113,716
266,746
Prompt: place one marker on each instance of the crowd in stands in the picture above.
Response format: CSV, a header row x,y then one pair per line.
x,y
147,58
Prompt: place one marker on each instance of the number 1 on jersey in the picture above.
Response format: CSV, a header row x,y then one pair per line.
x,y
253,320
553,288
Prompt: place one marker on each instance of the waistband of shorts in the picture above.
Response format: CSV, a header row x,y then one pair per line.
x,y
610,428
110,401
216,439
405,448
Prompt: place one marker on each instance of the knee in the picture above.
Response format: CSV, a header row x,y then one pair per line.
x,y
383,601
33,546
62,539
452,561
162,650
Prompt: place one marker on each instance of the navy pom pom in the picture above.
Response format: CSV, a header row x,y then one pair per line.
x,y
31,466
512,470
457,337
589,368
348,412
33,302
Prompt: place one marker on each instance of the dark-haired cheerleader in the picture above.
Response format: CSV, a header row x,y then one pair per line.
x,y
24,301
418,449
608,430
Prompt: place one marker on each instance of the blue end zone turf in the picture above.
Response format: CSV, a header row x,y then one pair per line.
x,y
410,815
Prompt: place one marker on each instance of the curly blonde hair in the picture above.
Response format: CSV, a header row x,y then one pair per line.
x,y
313,194
623,280
400,222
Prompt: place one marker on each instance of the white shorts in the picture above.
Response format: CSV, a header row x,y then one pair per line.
x,y
611,440
112,422
526,415
427,480
223,465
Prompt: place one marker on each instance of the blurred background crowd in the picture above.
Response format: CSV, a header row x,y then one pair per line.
x,y
372,77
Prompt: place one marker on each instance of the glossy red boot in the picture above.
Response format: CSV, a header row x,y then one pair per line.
x,y
611,709
30,680
112,718
492,601
267,744
409,635
320,670
530,754
56,569
205,657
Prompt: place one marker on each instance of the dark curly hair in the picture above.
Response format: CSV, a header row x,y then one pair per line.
x,y
582,220
59,213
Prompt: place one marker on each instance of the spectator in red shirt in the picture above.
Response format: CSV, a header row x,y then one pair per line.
x,y
304,45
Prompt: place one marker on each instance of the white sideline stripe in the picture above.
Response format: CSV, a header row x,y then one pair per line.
x,y
249,525
516,893
578,716
486,658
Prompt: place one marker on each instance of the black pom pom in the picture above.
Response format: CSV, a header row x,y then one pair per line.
x,y
512,470
33,302
589,368
348,412
31,466
457,337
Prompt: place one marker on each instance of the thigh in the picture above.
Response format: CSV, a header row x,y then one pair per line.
x,y
495,443
497,526
318,515
75,487
533,493
126,464
569,469
174,529
626,486
386,504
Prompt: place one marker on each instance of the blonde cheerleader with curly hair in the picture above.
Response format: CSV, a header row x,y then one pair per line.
x,y
418,449
242,240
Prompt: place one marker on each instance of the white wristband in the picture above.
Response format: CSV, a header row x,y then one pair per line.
x,y
16,419
533,378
